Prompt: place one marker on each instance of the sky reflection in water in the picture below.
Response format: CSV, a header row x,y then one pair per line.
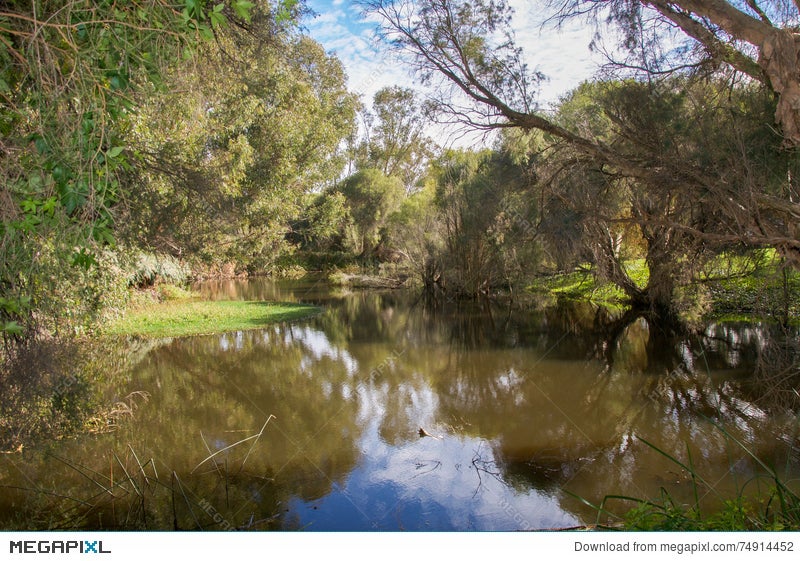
x,y
524,408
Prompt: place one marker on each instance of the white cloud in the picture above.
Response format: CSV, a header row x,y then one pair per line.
x,y
562,54
328,17
343,31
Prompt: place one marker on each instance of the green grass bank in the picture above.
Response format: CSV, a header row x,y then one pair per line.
x,y
179,318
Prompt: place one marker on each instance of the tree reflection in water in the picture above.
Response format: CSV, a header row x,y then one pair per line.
x,y
527,405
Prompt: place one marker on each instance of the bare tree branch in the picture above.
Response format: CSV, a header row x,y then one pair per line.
x,y
757,9
716,47
733,21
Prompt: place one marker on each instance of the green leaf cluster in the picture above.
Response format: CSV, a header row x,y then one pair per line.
x,y
237,145
71,77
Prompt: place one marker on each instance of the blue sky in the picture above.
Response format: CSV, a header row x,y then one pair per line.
x,y
562,55
341,29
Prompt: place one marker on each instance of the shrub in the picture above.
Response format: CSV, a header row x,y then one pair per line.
x,y
151,268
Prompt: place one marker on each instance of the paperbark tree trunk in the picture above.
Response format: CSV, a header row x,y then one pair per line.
x,y
778,61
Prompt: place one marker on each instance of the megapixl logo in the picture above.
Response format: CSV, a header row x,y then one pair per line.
x,y
57,546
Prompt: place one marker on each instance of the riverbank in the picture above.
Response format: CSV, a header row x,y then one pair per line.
x,y
46,384
736,289
359,280
178,318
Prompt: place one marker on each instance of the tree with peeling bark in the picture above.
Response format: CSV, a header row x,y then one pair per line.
x,y
466,52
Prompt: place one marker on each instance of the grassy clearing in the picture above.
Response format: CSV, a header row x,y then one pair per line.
x,y
582,285
179,318
771,291
731,287
577,285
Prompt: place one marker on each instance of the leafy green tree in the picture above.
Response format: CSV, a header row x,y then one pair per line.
x,y
396,142
487,221
372,197
467,53
327,218
70,76
681,123
415,231
756,39
237,144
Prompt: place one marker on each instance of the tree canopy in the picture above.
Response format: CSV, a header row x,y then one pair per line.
x,y
120,121
217,133
70,73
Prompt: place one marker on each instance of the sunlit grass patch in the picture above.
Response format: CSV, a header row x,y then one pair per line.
x,y
180,318
638,271
730,286
763,287
579,285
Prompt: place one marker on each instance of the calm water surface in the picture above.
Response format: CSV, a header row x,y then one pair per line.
x,y
523,410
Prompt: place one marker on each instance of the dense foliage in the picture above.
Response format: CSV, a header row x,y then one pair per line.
x,y
151,141
191,131
147,143
684,157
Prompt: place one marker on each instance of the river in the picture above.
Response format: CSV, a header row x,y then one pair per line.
x,y
385,412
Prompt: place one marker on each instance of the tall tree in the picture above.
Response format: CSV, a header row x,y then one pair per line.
x,y
397,143
486,215
758,39
703,122
70,73
371,198
236,144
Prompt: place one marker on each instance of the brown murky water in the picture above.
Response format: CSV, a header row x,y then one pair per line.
x,y
524,411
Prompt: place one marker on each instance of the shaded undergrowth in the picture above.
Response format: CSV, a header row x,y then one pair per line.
x,y
131,493
729,287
